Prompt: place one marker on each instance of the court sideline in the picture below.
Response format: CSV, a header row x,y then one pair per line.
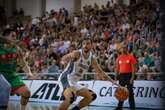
x,y
14,105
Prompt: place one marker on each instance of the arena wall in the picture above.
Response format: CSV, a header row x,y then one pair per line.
x,y
148,94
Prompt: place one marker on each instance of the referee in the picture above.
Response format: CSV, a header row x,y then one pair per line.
x,y
125,69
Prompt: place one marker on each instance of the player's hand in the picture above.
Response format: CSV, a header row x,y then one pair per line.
x,y
114,82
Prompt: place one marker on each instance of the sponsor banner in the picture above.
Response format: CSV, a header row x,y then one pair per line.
x,y
148,94
105,93
50,91
45,91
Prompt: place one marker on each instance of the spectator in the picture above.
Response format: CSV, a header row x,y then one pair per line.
x,y
53,68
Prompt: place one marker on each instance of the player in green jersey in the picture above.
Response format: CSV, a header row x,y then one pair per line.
x,y
10,56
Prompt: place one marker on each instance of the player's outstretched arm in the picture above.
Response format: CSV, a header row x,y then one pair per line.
x,y
24,64
101,73
68,57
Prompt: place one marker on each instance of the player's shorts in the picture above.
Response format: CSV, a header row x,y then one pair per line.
x,y
14,80
65,82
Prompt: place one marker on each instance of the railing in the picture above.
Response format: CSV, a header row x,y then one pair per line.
x,y
92,75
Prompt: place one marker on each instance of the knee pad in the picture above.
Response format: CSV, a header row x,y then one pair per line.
x,y
72,98
94,96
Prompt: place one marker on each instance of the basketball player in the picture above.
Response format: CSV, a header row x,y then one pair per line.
x,y
9,55
76,64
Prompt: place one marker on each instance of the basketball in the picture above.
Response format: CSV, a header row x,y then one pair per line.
x,y
121,93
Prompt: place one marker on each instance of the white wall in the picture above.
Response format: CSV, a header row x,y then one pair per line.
x,y
101,2
126,2
31,7
91,2
57,4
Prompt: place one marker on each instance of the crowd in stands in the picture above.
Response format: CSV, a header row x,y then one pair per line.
x,y
58,32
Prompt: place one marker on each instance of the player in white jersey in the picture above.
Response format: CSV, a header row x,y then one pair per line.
x,y
76,64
